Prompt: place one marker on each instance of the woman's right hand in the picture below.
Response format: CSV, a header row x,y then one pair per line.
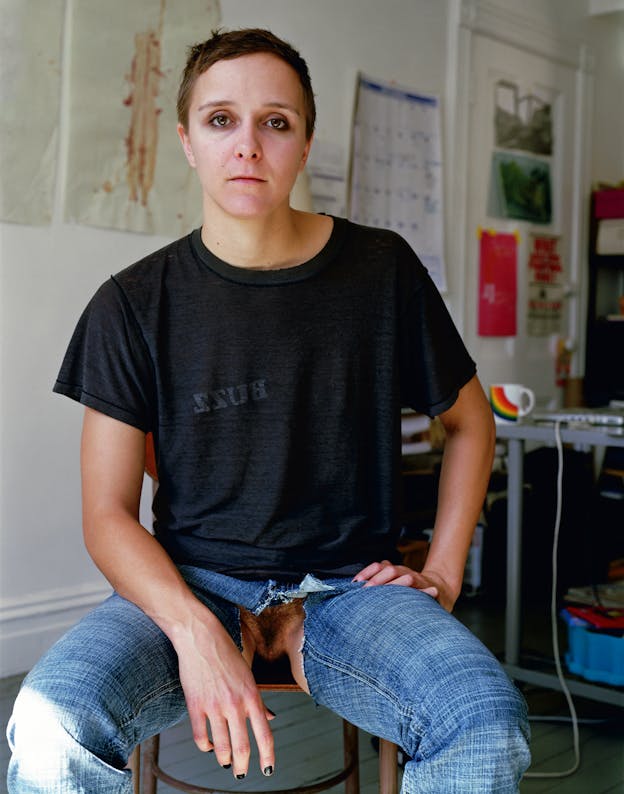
x,y
220,691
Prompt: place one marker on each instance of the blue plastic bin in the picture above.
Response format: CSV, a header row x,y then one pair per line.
x,y
593,654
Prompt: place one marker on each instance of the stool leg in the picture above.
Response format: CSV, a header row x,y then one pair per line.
x,y
134,763
388,767
351,756
149,752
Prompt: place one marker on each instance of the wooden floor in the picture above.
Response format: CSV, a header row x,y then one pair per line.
x,y
308,739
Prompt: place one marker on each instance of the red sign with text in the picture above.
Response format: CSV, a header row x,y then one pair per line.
x,y
497,283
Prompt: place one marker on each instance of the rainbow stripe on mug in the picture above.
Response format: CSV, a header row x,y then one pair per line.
x,y
501,405
511,401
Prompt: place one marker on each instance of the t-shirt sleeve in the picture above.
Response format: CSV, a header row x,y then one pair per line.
x,y
434,361
107,365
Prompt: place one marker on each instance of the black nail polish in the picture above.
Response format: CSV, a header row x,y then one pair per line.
x,y
240,777
267,771
272,713
226,766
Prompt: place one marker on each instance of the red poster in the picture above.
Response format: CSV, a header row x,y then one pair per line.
x,y
497,283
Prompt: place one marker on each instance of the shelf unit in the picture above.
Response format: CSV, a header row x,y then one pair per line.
x,y
604,363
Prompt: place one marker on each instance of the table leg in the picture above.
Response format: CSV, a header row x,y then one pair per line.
x,y
515,475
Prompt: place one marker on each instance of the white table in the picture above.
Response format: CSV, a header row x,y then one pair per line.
x,y
516,435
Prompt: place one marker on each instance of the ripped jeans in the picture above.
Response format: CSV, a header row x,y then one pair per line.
x,y
389,659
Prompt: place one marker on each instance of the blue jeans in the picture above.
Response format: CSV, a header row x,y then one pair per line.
x,y
387,658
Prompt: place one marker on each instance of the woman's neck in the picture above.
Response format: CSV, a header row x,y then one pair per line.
x,y
286,241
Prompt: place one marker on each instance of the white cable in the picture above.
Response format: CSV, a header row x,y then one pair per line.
x,y
559,718
553,621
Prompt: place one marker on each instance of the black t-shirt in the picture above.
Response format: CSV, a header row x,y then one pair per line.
x,y
274,396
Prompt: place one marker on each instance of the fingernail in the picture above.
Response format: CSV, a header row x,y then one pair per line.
x,y
272,713
267,771
240,777
226,766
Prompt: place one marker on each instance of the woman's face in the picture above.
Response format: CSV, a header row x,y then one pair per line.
x,y
246,135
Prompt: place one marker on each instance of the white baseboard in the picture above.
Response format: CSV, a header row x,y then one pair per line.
x,y
31,624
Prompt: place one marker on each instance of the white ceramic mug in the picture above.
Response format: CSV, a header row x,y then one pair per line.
x,y
511,401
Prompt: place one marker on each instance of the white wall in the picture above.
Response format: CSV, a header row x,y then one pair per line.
x,y
605,36
47,275
602,31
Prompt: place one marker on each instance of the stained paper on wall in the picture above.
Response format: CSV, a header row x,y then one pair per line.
x,y
126,168
30,79
396,171
498,287
544,315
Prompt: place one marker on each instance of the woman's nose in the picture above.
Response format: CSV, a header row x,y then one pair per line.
x,y
247,146
246,153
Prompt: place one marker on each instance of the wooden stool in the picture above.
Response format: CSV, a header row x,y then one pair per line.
x,y
272,678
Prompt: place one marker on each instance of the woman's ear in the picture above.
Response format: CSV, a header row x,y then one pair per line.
x,y
186,145
306,153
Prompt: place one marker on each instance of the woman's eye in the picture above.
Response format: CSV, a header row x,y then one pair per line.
x,y
219,120
277,124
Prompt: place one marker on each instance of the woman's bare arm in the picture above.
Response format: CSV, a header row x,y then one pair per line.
x,y
217,683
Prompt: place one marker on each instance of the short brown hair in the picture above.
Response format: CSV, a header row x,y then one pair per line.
x,y
227,45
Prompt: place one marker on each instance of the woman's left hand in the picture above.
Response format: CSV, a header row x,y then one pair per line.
x,y
385,572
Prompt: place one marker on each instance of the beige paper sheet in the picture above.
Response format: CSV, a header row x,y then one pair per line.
x,y
30,79
126,168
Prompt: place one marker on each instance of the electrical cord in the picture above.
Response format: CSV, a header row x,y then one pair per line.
x,y
566,720
553,623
